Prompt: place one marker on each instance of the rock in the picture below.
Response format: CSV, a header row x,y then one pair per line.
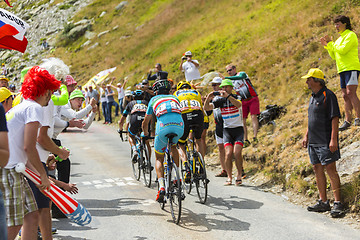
x,y
121,5
89,35
77,31
87,43
102,14
208,77
350,160
93,46
83,22
102,33
115,28
124,37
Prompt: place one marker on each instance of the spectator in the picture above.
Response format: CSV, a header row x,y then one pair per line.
x,y
12,88
6,98
159,73
215,83
44,45
26,118
149,93
92,93
322,140
121,93
190,67
4,69
70,83
233,133
345,52
4,81
249,99
4,157
111,102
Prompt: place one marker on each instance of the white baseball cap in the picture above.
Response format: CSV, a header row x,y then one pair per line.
x,y
188,53
217,80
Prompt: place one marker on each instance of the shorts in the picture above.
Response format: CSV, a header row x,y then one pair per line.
x,y
167,123
42,201
233,136
219,140
322,154
196,119
135,124
19,200
349,78
251,106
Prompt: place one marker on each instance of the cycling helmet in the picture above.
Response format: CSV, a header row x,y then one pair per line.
x,y
138,95
12,86
161,86
183,84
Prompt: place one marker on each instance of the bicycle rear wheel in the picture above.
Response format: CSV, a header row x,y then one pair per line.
x,y
188,186
200,178
146,167
135,167
175,193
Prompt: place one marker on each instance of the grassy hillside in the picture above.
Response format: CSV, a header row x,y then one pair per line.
x,y
274,41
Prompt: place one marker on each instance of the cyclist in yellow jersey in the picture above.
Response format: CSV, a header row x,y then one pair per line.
x,y
193,115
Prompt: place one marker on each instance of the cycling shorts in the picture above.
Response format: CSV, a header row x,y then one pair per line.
x,y
135,124
233,136
349,78
195,119
168,123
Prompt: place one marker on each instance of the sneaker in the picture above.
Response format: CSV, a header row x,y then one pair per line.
x,y
246,143
357,122
134,157
338,210
320,206
222,174
160,196
255,140
344,126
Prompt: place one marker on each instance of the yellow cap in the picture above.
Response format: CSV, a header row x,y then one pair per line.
x,y
2,77
316,73
4,94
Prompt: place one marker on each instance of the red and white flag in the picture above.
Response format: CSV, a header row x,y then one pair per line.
x,y
12,32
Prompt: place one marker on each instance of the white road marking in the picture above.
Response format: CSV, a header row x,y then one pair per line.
x,y
87,183
97,182
129,179
120,184
109,180
104,185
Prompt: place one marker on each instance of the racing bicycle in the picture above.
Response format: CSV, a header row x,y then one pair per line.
x,y
142,163
197,171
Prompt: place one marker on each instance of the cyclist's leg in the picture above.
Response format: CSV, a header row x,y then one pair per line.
x,y
132,141
183,138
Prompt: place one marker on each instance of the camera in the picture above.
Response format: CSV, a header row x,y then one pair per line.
x,y
216,93
184,58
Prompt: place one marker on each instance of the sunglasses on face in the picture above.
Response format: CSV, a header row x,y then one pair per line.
x,y
229,70
215,84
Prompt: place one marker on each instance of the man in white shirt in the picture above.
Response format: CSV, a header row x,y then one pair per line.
x,y
24,121
190,67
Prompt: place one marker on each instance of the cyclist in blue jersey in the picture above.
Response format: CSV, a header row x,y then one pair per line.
x,y
167,110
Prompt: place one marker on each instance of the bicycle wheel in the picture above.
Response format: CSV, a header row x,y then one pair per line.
x,y
135,167
200,178
175,193
188,186
146,167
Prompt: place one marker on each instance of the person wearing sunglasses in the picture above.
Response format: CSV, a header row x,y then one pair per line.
x,y
249,98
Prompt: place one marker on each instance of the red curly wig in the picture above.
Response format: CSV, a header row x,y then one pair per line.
x,y
37,81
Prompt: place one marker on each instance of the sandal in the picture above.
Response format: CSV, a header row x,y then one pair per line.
x,y
228,183
238,182
222,174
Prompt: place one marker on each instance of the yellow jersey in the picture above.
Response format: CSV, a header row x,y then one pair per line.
x,y
190,100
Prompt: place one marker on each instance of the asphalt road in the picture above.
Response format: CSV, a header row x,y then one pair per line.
x,y
122,208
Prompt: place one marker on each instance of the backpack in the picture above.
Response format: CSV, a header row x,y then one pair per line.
x,y
271,112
